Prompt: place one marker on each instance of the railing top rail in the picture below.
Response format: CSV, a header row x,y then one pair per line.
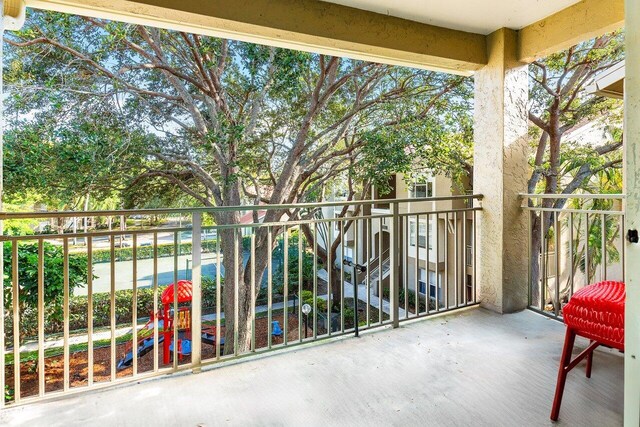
x,y
169,211
579,211
151,230
572,196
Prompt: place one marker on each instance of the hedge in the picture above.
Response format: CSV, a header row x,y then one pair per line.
x,y
146,252
78,318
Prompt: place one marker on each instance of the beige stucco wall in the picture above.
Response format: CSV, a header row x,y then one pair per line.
x,y
500,173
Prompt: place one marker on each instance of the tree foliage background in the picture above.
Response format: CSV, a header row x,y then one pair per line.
x,y
147,116
138,116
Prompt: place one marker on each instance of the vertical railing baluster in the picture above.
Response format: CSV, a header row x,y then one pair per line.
x,y
65,298
394,285
269,285
622,243
300,266
405,262
368,271
285,285
456,259
603,247
571,255
342,253
474,290
556,232
237,262
90,311
3,383
329,269
112,307
16,323
586,248
543,262
196,289
446,261
529,272
416,263
438,281
3,351
253,289
218,294
41,364
176,314
315,280
354,272
427,268
380,271
134,303
155,301
465,261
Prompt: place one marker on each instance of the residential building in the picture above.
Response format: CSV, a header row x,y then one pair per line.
x,y
436,248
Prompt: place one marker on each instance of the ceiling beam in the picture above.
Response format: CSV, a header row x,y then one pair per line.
x,y
570,26
308,25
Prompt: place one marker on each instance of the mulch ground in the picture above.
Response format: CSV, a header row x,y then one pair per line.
x,y
78,366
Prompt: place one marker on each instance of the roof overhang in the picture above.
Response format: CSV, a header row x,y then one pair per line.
x,y
347,30
610,83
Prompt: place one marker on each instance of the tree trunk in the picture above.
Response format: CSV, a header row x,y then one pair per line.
x,y
537,280
233,281
336,287
535,261
237,278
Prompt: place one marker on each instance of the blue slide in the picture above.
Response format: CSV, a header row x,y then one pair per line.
x,y
143,348
146,345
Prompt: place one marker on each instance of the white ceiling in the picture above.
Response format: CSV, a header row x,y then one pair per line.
x,y
478,16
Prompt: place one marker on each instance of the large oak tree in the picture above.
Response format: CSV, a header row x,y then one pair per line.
x,y
227,123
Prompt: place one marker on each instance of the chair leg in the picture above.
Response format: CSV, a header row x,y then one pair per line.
x,y
565,360
589,362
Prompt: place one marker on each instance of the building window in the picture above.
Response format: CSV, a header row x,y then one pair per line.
x,y
422,235
422,190
423,281
348,254
432,285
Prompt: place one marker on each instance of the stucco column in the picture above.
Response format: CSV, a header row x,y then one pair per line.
x,y
632,213
500,174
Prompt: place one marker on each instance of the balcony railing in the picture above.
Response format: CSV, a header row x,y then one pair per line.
x,y
573,240
81,316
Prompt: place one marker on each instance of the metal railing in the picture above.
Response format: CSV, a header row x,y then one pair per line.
x,y
85,316
573,240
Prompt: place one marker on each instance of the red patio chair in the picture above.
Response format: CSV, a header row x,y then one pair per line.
x,y
595,312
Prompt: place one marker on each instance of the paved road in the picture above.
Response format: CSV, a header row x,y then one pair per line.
x,y
124,272
101,242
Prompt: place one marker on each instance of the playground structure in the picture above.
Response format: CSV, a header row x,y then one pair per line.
x,y
168,323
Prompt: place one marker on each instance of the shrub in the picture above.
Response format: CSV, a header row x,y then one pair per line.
x,y
307,298
53,276
146,252
164,250
78,315
293,273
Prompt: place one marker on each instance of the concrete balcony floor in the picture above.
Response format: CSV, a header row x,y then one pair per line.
x,y
470,368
